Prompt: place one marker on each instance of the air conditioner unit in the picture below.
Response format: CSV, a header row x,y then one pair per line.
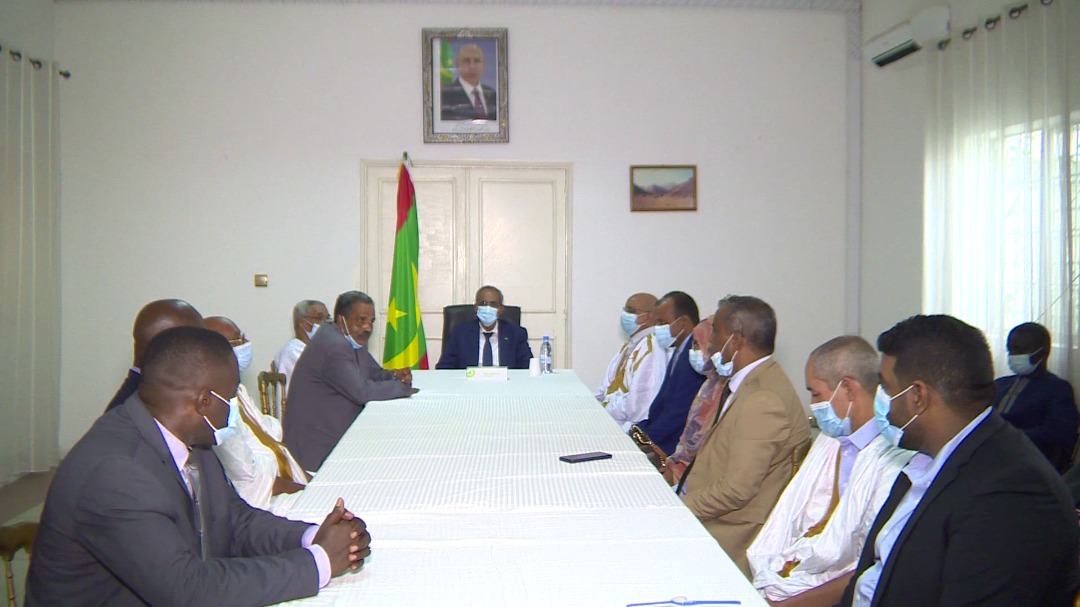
x,y
927,27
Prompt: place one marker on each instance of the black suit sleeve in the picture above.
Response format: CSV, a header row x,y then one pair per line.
x,y
127,521
523,352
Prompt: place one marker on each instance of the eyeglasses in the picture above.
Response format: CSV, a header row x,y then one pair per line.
x,y
493,304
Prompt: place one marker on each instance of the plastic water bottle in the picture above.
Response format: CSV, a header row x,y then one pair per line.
x,y
545,356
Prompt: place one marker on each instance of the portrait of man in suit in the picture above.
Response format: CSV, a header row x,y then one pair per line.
x,y
471,95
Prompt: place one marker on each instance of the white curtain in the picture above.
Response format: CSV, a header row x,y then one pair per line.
x,y
29,266
1003,178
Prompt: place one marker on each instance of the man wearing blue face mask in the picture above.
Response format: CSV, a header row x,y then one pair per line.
x,y
676,317
1035,400
979,517
815,533
258,464
634,375
333,380
491,341
307,316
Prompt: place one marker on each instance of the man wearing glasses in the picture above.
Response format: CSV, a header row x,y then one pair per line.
x,y
492,341
307,315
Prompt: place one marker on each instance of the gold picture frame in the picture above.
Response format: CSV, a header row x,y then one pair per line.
x,y
466,88
663,187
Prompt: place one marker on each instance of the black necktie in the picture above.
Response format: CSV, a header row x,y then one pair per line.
x,y
724,394
488,358
867,558
194,476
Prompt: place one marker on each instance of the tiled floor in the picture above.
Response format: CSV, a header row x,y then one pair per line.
x,y
21,501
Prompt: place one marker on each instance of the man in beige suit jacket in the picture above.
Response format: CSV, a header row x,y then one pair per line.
x,y
760,436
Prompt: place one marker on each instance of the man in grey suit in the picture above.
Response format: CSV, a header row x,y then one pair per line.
x,y
140,512
333,380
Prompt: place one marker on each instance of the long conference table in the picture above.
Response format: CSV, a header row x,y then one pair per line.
x,y
468,504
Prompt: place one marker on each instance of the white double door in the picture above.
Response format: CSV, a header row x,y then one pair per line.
x,y
506,225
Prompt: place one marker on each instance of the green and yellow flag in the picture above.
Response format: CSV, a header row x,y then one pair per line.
x,y
406,346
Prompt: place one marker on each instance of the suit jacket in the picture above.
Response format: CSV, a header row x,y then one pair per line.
x,y
747,459
463,348
995,528
129,387
668,411
1045,411
117,529
328,388
456,104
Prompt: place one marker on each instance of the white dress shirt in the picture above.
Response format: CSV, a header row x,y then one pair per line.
x,y
494,345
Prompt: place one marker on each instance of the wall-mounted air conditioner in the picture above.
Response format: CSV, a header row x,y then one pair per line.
x,y
927,27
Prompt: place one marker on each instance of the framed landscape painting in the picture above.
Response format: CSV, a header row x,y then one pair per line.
x,y
663,188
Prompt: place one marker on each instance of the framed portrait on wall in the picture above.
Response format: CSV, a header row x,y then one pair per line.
x,y
663,187
466,92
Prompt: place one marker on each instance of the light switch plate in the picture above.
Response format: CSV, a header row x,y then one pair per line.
x,y
262,280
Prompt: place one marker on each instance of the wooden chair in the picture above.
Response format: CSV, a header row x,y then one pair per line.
x,y
13,538
272,392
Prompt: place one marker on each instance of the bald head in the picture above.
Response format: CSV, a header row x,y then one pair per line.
x,y
157,316
222,326
643,306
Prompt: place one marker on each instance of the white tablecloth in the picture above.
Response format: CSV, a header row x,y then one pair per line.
x,y
468,504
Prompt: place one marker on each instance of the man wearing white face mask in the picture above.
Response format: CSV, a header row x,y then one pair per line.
x,y
262,469
635,373
492,341
307,316
760,436
1035,400
979,517
676,317
809,545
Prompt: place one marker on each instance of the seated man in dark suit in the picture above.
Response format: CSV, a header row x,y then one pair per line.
x,y
333,380
978,516
490,342
140,511
152,319
1035,400
676,316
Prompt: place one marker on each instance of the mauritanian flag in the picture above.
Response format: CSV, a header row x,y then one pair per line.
x,y
405,343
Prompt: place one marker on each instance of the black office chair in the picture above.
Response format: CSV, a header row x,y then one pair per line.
x,y
462,313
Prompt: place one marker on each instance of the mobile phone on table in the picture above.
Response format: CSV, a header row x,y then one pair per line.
x,y
584,457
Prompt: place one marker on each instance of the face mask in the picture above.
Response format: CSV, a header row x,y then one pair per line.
x,y
349,338
882,404
243,355
827,420
1021,364
311,332
222,434
725,369
487,315
697,361
628,322
663,336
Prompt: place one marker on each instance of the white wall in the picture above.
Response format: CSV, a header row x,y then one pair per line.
x,y
28,26
205,142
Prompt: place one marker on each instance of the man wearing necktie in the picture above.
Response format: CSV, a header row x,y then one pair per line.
x,y
491,341
140,512
979,517
467,98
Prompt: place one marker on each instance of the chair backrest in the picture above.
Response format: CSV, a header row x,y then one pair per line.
x,y
12,539
272,393
462,313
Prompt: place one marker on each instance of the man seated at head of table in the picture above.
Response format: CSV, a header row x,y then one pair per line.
x,y
805,553
491,341
140,512
260,467
307,316
752,450
333,380
152,319
636,372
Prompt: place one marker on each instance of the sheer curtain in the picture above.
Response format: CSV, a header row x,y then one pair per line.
x,y
1003,178
29,266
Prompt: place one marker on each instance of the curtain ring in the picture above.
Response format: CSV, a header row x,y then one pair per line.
x,y
943,44
36,63
16,55
992,22
66,75
1046,2
968,33
1016,11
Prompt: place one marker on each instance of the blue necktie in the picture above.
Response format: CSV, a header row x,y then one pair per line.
x,y
488,358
